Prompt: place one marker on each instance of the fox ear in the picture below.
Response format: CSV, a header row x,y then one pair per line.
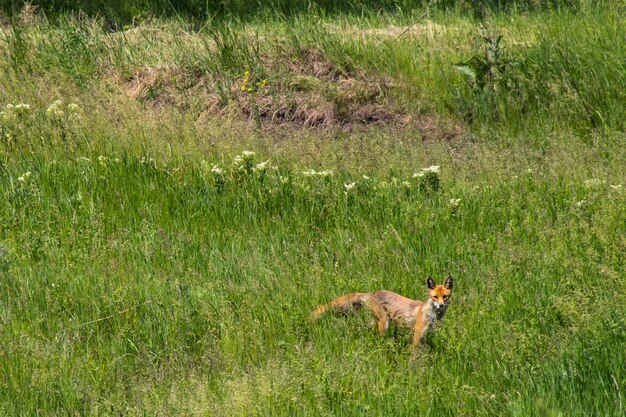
x,y
430,283
449,282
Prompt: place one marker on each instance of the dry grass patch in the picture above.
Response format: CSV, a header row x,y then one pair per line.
x,y
309,91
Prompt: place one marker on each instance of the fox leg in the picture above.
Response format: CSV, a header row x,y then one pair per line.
x,y
383,324
418,331
382,318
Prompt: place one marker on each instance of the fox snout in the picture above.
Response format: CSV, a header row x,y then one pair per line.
x,y
439,305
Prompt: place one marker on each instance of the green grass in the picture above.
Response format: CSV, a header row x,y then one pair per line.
x,y
134,280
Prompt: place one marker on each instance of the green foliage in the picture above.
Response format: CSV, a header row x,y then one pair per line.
x,y
562,75
486,75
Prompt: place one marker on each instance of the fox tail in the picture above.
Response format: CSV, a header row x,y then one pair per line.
x,y
343,305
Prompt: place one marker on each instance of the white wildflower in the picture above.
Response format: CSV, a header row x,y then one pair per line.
x,y
215,169
238,160
24,177
9,114
55,110
349,185
73,110
22,108
248,154
261,166
283,180
594,182
529,171
581,203
433,169
616,187
366,178
314,173
454,202
241,162
103,160
406,184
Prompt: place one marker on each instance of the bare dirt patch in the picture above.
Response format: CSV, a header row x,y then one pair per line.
x,y
310,92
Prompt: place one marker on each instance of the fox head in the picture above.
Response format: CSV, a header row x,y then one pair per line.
x,y
440,294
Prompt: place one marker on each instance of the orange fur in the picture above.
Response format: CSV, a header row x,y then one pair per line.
x,y
388,306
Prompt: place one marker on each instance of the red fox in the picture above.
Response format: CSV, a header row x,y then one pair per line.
x,y
388,306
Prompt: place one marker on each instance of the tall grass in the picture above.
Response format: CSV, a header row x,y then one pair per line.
x,y
131,284
146,270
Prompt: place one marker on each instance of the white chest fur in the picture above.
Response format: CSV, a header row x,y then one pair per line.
x,y
432,314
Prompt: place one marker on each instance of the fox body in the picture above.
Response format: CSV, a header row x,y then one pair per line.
x,y
388,306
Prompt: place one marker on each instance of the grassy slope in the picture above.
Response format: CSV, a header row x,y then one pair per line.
x,y
218,280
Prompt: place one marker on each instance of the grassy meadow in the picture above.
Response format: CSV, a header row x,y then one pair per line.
x,y
178,191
